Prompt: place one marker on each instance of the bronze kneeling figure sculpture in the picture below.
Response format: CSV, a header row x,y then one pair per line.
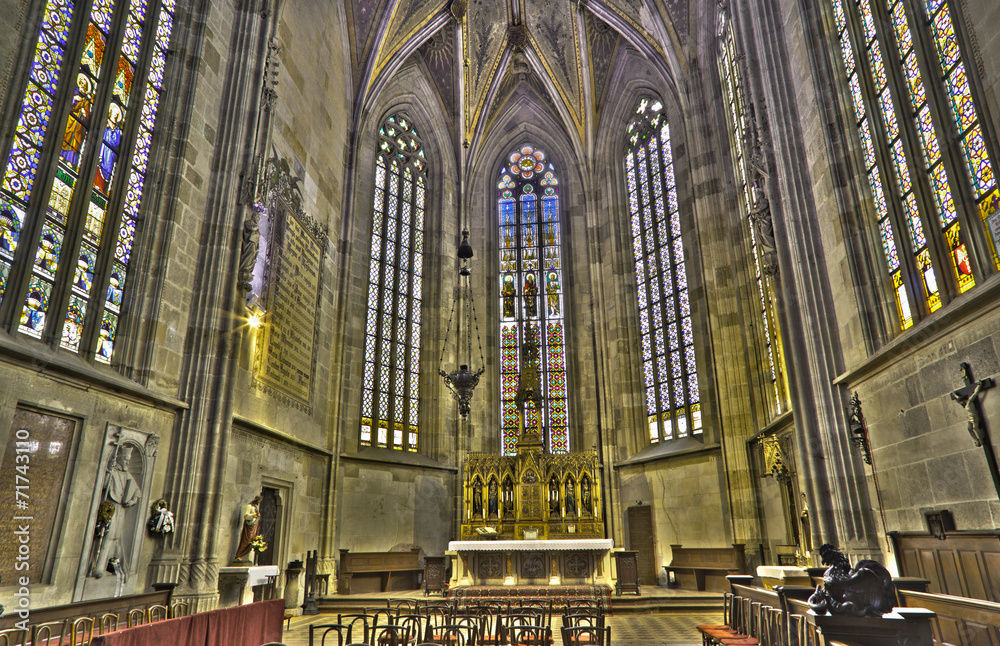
x,y
866,590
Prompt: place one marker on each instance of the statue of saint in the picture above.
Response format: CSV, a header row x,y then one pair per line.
x,y
570,500
120,492
251,526
530,291
509,293
477,499
585,501
493,508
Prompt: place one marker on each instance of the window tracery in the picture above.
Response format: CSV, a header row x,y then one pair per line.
x,y
390,397
74,175
673,401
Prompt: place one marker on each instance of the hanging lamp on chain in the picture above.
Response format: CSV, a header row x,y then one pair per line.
x,y
462,382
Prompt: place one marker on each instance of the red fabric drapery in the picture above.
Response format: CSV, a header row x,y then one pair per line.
x,y
249,625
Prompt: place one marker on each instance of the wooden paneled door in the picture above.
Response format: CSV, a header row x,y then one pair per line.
x,y
641,540
270,525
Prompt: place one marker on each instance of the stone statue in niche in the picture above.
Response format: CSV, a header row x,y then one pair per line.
x,y
120,492
477,498
493,499
249,529
585,500
866,590
110,556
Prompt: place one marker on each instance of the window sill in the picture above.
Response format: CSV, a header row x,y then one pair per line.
x,y
662,451
27,353
937,327
397,458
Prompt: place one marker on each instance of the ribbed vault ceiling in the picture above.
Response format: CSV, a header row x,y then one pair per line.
x,y
483,54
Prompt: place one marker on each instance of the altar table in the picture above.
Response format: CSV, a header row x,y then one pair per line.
x,y
236,583
532,562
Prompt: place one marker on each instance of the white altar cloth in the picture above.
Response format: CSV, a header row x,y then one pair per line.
x,y
597,544
236,583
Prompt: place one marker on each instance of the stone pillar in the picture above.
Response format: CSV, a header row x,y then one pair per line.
x,y
832,477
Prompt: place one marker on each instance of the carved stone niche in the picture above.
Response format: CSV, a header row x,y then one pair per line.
x,y
109,563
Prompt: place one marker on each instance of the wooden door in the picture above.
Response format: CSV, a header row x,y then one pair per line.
x,y
270,524
641,541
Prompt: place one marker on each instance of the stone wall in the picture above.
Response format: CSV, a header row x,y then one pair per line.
x,y
688,498
382,506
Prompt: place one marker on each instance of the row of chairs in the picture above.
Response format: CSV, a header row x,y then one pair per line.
x,y
79,631
462,635
747,623
485,624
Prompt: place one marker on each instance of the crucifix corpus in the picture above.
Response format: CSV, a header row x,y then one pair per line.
x,y
969,396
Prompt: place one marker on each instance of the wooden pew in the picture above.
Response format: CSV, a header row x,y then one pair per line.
x,y
378,571
706,568
781,617
960,620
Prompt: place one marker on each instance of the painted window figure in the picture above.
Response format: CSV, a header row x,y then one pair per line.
x,y
509,293
552,288
530,291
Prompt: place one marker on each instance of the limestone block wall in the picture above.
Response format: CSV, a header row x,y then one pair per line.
x,y
260,457
924,458
688,495
92,405
386,505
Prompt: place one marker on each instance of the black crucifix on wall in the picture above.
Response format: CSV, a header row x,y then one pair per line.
x,y
969,397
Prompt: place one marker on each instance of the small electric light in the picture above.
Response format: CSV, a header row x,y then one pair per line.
x,y
255,320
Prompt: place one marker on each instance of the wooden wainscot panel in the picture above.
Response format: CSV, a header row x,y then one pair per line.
x,y
959,563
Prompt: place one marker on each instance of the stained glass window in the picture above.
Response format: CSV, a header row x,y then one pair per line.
x,y
673,402
72,224
737,119
390,397
916,188
531,298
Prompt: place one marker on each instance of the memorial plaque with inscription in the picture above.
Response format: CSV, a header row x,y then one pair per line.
x,y
32,476
287,341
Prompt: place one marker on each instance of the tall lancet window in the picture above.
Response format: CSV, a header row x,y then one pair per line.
x,y
749,187
673,404
389,400
930,164
531,297
76,168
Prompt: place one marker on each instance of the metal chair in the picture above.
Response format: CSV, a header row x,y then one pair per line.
x,y
157,612
108,623
355,621
520,635
342,631
81,631
180,609
50,633
586,636
391,635
13,637
136,617
458,635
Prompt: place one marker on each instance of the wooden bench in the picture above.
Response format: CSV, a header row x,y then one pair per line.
x,y
378,571
756,616
959,620
706,568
